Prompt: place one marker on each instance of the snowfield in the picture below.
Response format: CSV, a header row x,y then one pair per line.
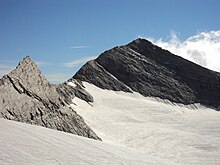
x,y
24,144
185,135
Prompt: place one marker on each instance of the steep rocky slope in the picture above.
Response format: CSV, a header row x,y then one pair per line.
x,y
152,71
27,96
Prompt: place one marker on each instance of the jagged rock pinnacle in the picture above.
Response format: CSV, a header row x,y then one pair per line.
x,y
27,96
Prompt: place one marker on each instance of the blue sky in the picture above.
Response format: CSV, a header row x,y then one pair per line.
x,y
60,35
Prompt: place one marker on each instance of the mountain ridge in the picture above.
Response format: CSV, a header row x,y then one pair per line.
x,y
27,96
155,72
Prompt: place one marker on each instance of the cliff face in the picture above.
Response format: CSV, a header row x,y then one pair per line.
x,y
27,96
152,71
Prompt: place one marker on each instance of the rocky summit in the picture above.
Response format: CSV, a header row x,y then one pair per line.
x,y
27,96
152,71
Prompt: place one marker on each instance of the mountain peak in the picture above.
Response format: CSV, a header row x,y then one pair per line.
x,y
27,61
27,96
29,75
140,41
152,71
26,64
27,58
143,45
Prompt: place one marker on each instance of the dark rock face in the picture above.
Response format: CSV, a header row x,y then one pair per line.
x,y
153,71
96,74
27,96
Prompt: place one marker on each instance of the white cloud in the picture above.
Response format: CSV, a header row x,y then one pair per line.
x,y
75,63
202,48
78,47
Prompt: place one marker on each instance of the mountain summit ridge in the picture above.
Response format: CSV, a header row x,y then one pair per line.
x,y
152,71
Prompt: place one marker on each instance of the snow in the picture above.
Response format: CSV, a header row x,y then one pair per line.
x,y
26,144
73,84
185,135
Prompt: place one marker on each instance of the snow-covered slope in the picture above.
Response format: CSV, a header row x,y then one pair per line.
x,y
25,144
183,135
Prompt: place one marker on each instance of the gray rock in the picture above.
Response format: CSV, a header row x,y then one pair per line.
x,y
68,92
27,96
152,71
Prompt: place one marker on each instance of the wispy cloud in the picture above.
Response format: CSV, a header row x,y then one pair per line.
x,y
78,47
6,66
77,62
3,66
57,77
42,63
19,49
5,69
202,48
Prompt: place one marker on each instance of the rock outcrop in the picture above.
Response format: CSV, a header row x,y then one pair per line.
x,y
27,96
152,71
72,88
